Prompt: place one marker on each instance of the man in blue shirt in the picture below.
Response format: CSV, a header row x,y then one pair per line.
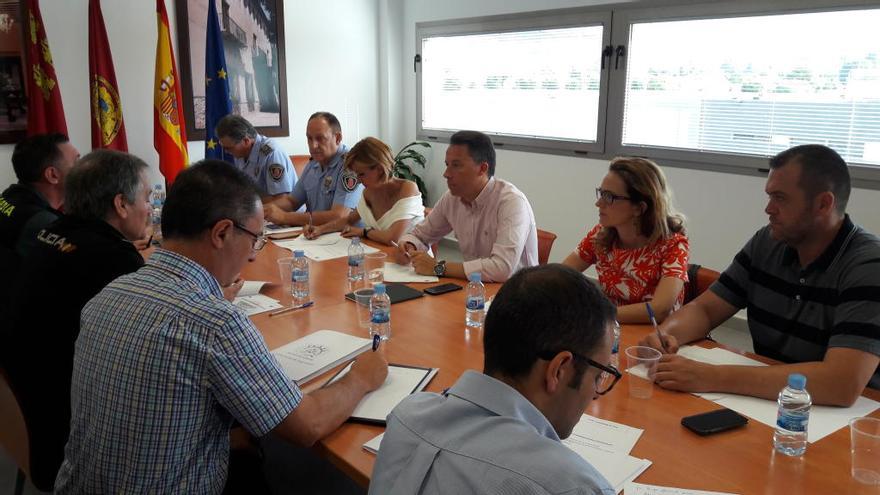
x,y
547,344
164,365
259,157
327,189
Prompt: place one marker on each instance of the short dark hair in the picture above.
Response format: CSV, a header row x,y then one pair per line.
x,y
204,194
330,119
96,180
479,145
544,308
235,127
33,154
822,169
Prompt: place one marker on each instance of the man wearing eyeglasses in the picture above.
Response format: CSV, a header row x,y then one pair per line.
x,y
547,345
164,364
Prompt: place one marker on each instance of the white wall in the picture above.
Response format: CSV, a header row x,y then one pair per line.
x,y
723,209
332,62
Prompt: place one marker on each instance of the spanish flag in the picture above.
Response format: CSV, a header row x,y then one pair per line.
x,y
169,128
45,110
108,129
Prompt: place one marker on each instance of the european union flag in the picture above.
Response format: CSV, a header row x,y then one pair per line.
x,y
217,102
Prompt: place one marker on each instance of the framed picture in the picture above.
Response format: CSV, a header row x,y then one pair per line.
x,y
253,42
13,96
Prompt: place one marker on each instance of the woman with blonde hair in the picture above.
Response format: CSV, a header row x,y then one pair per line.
x,y
639,246
388,206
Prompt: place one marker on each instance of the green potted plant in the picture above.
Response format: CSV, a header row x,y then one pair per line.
x,y
405,161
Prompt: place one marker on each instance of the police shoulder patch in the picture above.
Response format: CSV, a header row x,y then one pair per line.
x,y
276,171
266,149
349,180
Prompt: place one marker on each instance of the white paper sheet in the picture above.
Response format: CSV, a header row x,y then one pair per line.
x,y
373,445
406,273
251,288
256,303
640,489
824,420
312,355
327,247
400,382
606,445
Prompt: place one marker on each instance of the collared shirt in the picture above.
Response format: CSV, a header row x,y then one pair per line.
x,y
796,313
163,366
320,188
73,260
269,167
482,437
496,233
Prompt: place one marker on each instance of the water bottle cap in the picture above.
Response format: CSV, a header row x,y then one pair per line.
x,y
299,253
475,277
797,381
378,288
355,240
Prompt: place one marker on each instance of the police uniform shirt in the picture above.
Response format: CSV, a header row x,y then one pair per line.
x,y
269,167
321,188
72,261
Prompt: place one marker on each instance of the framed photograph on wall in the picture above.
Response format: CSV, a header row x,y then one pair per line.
x,y
253,42
13,96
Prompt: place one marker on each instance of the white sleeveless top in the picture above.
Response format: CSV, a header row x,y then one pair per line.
x,y
405,208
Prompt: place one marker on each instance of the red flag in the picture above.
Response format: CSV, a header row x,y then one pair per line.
x,y
169,129
108,130
45,110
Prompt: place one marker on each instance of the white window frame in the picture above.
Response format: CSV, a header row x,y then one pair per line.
x,y
564,18
616,20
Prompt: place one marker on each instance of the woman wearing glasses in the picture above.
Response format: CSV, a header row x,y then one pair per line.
x,y
389,204
639,246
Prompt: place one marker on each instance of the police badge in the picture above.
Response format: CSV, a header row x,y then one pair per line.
x,y
349,180
276,171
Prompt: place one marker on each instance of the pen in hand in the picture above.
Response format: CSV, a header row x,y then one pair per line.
x,y
404,251
656,327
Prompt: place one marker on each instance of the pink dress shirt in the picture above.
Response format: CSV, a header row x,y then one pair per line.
x,y
496,233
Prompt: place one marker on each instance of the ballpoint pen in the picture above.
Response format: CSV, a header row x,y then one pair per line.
x,y
398,246
291,308
656,328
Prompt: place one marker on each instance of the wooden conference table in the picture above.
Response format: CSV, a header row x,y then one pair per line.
x,y
430,332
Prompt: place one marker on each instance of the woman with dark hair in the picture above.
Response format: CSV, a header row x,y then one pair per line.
x,y
389,205
639,246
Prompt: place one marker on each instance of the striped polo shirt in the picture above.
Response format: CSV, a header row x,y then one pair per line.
x,y
795,313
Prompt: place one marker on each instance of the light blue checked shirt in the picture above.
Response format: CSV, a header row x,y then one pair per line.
x,y
481,437
163,366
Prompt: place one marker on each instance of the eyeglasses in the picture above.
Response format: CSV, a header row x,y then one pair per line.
x,y
608,196
259,239
605,381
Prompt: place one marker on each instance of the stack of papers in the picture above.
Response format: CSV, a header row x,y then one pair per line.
x,y
280,232
373,445
252,302
400,382
606,446
327,247
314,354
406,273
639,489
824,420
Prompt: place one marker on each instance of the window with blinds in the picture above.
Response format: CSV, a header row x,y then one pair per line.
x,y
533,84
756,85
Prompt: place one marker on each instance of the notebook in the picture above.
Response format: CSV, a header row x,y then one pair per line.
x,y
396,292
314,354
402,381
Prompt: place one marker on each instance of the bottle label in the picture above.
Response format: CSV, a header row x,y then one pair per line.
x,y
355,260
300,276
796,422
475,303
380,316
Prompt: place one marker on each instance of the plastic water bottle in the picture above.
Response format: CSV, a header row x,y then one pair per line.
x,y
475,309
615,345
355,260
380,313
300,278
790,437
158,201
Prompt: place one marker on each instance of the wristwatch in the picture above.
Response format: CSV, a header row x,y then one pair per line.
x,y
366,231
440,268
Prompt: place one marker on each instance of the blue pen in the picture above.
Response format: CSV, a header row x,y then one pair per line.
x,y
656,327
291,308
